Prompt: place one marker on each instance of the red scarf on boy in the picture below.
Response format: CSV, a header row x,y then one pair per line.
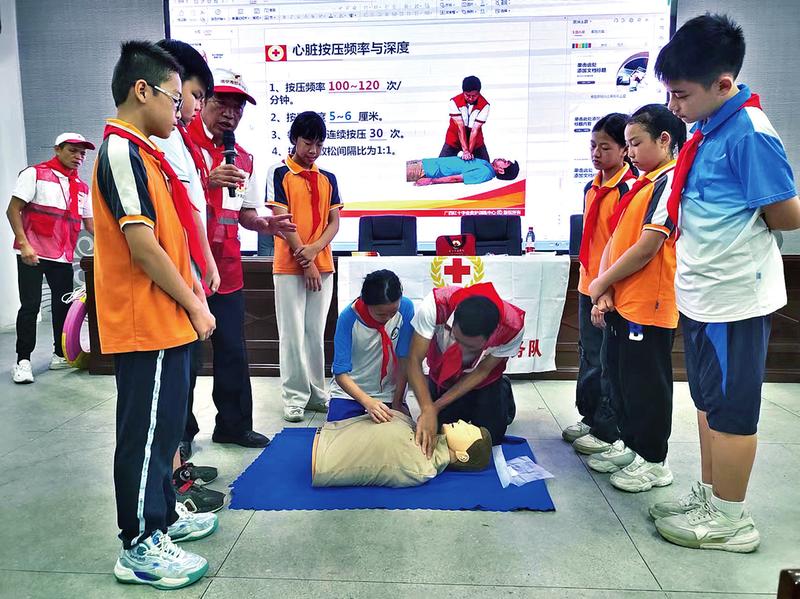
x,y
684,164
197,155
180,197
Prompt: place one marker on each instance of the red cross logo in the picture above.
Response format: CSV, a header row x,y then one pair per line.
x,y
276,53
457,270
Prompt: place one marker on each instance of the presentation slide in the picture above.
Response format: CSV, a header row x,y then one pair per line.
x,y
387,78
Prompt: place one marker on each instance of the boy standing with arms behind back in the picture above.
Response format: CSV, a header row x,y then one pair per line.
x,y
733,186
150,308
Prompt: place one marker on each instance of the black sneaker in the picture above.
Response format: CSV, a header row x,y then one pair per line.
x,y
201,475
194,497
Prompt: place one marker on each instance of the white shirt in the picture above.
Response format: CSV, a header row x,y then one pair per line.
x,y
182,163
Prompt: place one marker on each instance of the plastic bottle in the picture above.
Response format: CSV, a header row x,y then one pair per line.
x,y
530,239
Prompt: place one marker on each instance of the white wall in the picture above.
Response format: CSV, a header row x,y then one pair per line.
x,y
12,155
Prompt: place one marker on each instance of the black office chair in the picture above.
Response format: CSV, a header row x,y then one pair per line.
x,y
388,235
494,234
575,234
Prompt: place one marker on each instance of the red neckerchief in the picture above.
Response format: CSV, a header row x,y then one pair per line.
x,y
74,183
198,135
386,343
197,155
311,177
180,197
452,357
625,201
684,164
590,226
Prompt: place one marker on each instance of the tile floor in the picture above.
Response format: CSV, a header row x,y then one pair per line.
x,y
59,534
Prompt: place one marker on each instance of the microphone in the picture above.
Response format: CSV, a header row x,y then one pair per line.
x,y
229,141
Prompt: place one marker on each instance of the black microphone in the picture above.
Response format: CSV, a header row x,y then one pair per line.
x,y
229,141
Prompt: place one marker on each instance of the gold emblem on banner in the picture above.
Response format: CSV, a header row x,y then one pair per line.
x,y
459,272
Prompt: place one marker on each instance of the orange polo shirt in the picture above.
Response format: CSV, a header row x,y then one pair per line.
x,y
647,297
133,313
288,189
602,231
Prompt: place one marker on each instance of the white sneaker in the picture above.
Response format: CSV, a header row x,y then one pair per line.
x,y
22,373
159,562
616,457
575,431
708,528
191,526
685,504
641,475
589,445
59,363
293,413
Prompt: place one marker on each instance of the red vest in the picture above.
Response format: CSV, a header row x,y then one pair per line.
x,y
52,232
223,223
512,321
451,138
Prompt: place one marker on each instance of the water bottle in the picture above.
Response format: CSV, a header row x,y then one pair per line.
x,y
530,239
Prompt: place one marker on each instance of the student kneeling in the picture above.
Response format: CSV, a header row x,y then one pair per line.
x,y
358,452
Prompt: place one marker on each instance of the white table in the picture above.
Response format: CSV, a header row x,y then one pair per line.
x,y
536,283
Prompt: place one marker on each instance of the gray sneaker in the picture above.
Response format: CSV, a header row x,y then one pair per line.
x,y
293,414
575,431
692,500
590,445
708,528
616,457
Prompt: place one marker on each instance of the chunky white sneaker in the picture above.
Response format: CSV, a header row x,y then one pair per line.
x,y
293,414
22,373
59,363
641,475
575,431
692,500
157,561
616,457
589,445
191,526
708,528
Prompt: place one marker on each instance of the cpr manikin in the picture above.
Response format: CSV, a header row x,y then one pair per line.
x,y
359,452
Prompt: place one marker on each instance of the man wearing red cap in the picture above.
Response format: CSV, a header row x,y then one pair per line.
x,y
46,209
467,335
227,209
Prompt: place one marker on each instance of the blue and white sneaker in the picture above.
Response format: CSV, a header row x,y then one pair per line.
x,y
191,526
157,561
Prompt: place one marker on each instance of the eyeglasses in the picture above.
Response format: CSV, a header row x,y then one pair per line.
x,y
237,107
177,99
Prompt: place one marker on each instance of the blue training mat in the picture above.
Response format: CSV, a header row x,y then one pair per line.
x,y
280,479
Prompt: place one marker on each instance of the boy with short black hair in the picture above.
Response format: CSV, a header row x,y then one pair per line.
x,y
733,186
150,308
47,206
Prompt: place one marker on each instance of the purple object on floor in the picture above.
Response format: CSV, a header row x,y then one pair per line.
x,y
280,479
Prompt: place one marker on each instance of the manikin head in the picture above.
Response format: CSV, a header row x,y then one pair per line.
x,y
470,446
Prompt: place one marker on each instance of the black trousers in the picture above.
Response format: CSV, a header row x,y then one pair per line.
x,y
593,390
152,388
480,152
640,373
195,359
232,393
491,407
29,278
